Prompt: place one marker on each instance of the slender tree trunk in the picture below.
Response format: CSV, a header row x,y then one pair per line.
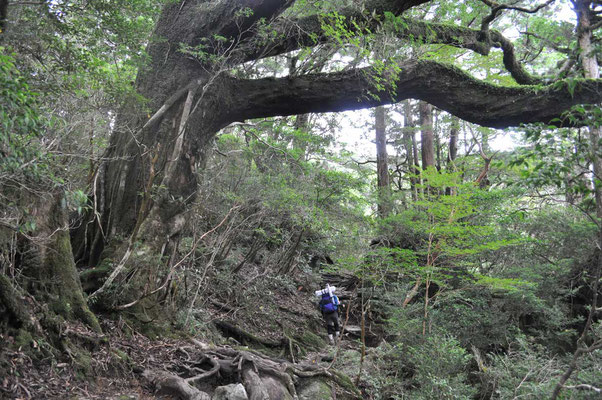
x,y
3,16
409,138
453,142
300,144
427,137
437,139
382,167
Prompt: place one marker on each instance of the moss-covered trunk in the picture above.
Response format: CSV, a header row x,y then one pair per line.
x,y
48,269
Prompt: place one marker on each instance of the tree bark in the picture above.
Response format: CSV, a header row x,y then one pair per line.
x,y
48,264
437,140
409,140
453,142
443,86
3,15
426,135
382,167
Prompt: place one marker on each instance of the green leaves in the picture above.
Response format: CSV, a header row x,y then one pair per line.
x,y
22,125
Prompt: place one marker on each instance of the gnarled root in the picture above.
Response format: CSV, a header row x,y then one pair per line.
x,y
263,377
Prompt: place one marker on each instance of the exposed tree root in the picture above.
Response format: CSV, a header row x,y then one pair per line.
x,y
173,384
245,337
263,377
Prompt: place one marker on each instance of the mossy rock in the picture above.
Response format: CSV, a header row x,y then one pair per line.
x,y
93,278
314,389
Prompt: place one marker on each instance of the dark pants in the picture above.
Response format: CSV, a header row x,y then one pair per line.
x,y
332,322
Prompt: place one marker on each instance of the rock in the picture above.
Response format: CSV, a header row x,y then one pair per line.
x,y
275,388
314,389
230,392
353,329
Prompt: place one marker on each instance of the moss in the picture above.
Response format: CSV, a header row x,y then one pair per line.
x,y
93,278
346,383
60,263
315,389
82,363
16,315
23,339
312,340
121,355
61,306
147,321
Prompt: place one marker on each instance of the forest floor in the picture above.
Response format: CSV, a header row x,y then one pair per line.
x,y
111,368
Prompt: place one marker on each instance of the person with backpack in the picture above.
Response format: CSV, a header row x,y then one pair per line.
x,y
329,306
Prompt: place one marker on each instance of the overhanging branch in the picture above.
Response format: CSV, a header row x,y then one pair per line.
x,y
444,86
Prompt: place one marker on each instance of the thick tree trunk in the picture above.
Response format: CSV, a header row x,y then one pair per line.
x,y
47,269
382,167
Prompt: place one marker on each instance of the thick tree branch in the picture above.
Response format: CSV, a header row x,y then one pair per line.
x,y
444,86
187,21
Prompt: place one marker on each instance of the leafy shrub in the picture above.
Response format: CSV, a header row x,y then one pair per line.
x,y
440,369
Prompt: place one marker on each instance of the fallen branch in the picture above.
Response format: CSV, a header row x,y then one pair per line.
x,y
584,386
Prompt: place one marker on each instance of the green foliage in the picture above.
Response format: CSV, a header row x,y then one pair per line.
x,y
22,126
447,224
440,369
267,171
432,367
526,370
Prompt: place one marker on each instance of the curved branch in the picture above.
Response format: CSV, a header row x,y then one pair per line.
x,y
511,63
290,34
444,86
497,8
306,32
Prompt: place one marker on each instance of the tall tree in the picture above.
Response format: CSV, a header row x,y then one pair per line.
x,y
411,148
427,142
453,141
148,178
382,166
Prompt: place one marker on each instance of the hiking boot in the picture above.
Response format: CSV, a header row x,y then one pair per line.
x,y
331,339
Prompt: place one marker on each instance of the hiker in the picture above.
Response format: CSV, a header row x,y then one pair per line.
x,y
329,305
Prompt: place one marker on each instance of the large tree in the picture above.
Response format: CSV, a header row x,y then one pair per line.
x,y
194,90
